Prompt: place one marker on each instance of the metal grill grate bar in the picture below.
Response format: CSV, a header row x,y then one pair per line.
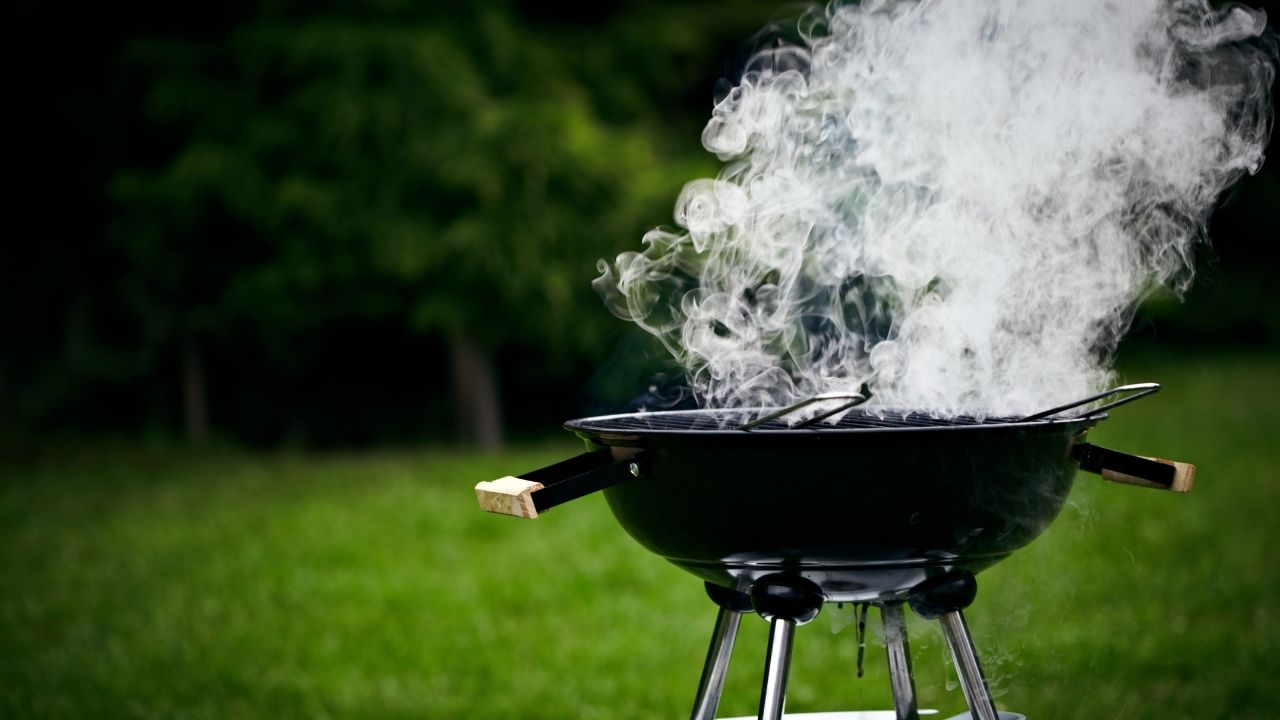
x,y
722,420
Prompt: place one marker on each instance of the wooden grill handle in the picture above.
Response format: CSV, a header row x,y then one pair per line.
x,y
530,493
1129,469
508,496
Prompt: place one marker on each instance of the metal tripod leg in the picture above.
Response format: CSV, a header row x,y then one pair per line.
x,y
785,601
777,663
895,637
717,665
981,706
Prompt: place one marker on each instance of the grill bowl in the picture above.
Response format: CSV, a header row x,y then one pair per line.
x,y
866,508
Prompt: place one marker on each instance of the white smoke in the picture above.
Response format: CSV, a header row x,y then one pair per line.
x,y
957,201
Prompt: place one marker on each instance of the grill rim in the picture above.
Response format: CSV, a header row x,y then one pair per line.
x,y
598,426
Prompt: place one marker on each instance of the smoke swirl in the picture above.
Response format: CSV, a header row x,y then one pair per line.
x,y
959,202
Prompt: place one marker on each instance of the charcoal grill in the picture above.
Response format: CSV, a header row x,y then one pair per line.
x,y
873,505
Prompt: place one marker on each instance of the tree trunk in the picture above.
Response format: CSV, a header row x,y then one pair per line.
x,y
475,387
195,410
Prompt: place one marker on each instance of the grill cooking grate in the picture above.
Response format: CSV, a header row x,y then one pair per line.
x,y
721,420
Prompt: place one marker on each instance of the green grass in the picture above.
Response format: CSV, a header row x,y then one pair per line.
x,y
232,585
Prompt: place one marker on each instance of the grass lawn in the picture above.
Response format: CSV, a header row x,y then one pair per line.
x,y
235,585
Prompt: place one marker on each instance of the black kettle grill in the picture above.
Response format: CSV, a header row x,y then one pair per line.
x,y
879,506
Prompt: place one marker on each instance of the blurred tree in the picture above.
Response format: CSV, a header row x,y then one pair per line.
x,y
232,207
450,169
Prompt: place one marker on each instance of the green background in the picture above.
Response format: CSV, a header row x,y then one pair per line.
x,y
264,259
349,224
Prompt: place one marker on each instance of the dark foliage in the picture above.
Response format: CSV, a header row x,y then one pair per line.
x,y
299,208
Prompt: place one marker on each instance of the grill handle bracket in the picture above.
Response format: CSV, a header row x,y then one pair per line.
x,y
1129,469
534,492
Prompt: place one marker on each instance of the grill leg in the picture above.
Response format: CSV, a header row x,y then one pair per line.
x,y
785,601
944,597
895,636
981,706
777,663
717,665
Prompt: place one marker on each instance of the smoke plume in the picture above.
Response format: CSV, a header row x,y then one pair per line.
x,y
959,202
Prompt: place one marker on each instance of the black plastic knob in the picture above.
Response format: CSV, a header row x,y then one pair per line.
x,y
940,595
788,597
